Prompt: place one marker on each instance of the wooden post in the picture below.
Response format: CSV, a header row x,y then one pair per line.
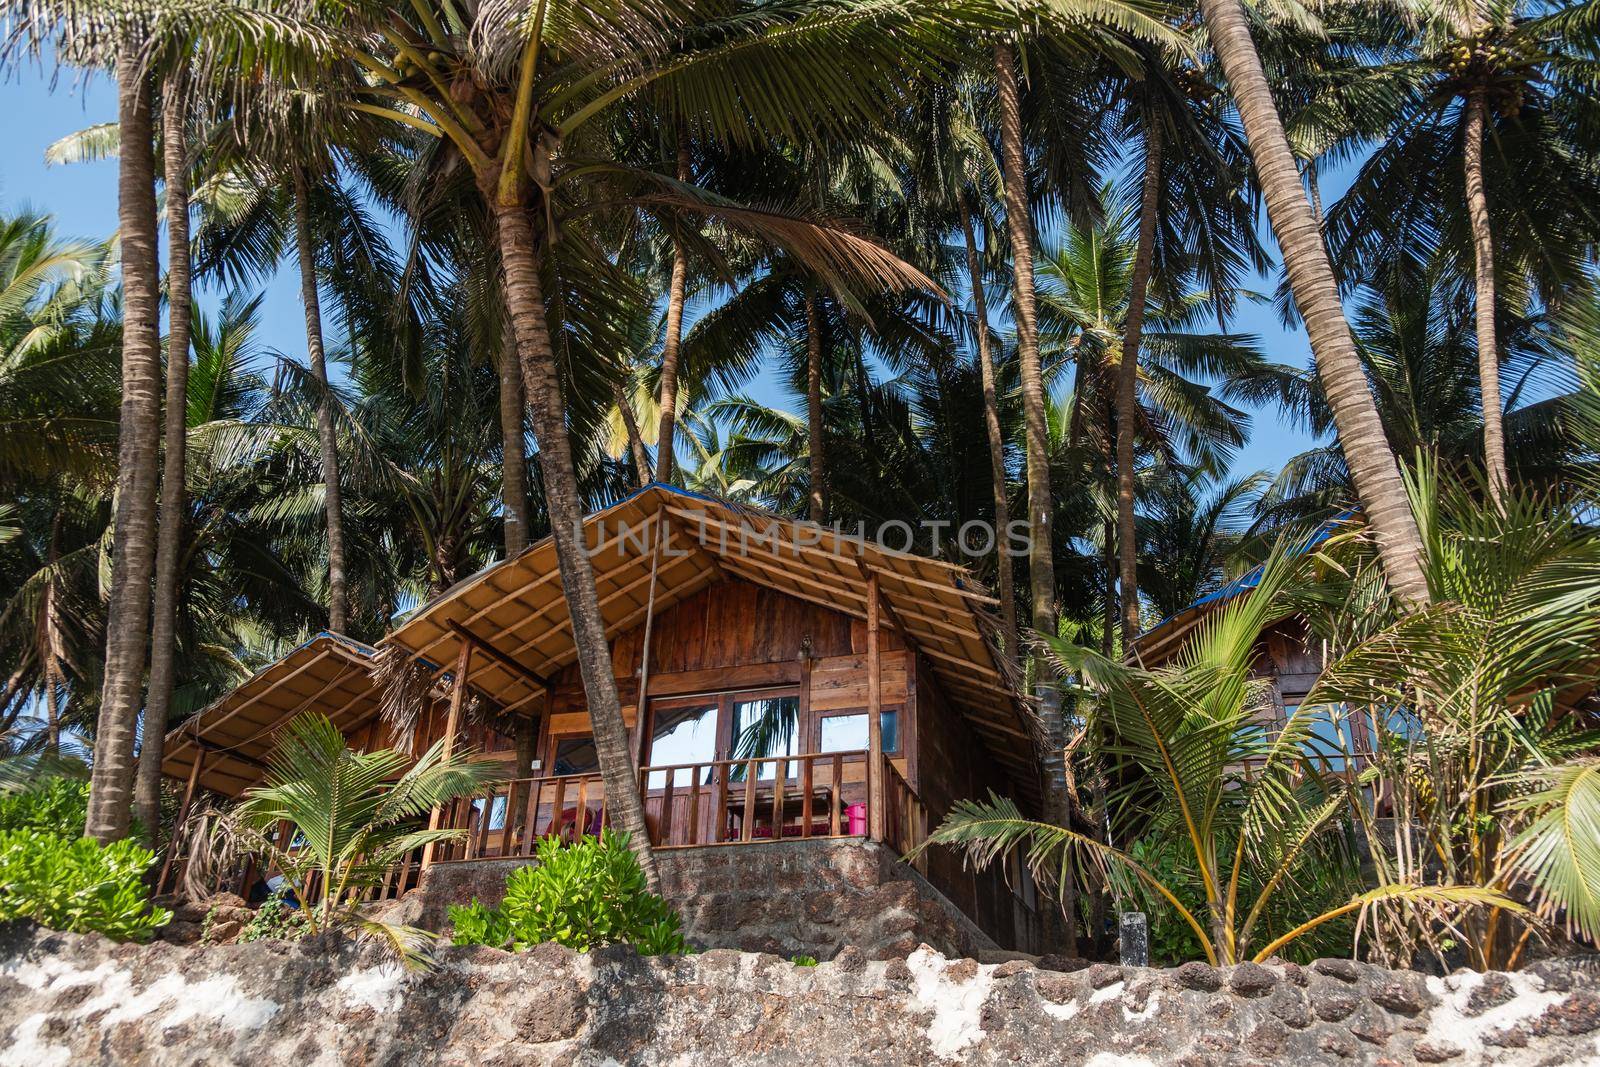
x,y
183,815
452,724
875,791
641,721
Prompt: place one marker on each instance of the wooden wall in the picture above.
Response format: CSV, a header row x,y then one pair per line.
x,y
951,765
735,635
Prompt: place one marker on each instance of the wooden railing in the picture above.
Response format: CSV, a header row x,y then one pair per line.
x,y
687,804
905,820
719,802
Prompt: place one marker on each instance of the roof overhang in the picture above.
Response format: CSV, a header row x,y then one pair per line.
x,y
235,733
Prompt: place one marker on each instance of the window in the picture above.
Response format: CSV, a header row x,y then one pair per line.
x,y
576,755
848,733
767,726
497,813
1330,736
682,735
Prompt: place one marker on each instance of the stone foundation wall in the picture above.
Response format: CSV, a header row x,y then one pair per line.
x,y
784,897
66,999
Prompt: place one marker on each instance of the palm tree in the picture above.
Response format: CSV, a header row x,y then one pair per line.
x,y
354,815
134,526
169,536
284,163
956,172
575,74
672,341
59,383
1476,749
1518,219
1019,222
1249,841
1373,467
1195,219
1191,526
1085,305
1005,583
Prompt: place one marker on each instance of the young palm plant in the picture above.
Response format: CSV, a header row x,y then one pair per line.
x,y
1483,766
1257,820
354,815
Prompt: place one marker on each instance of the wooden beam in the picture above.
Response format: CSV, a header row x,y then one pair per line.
x,y
451,725
870,574
230,753
500,659
641,721
183,815
562,626
843,544
524,621
557,663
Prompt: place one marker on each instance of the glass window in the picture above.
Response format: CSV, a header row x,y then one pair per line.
x,y
576,755
497,813
1329,735
848,733
682,735
769,726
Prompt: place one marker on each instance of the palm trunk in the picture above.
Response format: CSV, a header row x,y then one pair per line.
x,y
513,456
814,432
169,538
327,438
1128,382
52,725
1041,563
630,423
997,440
50,646
1372,463
1041,567
673,341
134,526
1494,439
525,299
1108,561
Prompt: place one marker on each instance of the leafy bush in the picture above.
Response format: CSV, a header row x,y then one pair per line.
x,y
275,920
77,885
584,895
55,806
803,960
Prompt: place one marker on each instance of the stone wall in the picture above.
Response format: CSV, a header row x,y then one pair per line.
x,y
66,999
790,898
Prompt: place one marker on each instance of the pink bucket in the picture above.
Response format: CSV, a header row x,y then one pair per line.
x,y
856,815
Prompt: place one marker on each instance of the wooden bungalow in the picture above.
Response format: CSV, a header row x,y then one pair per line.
x,y
781,682
1287,654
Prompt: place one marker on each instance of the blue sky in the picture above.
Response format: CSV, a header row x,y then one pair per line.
x,y
82,197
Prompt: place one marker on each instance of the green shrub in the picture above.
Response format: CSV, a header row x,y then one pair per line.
x,y
55,806
77,885
275,920
477,924
584,895
803,960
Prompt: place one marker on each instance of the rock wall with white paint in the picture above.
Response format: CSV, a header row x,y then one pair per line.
x,y
81,1000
